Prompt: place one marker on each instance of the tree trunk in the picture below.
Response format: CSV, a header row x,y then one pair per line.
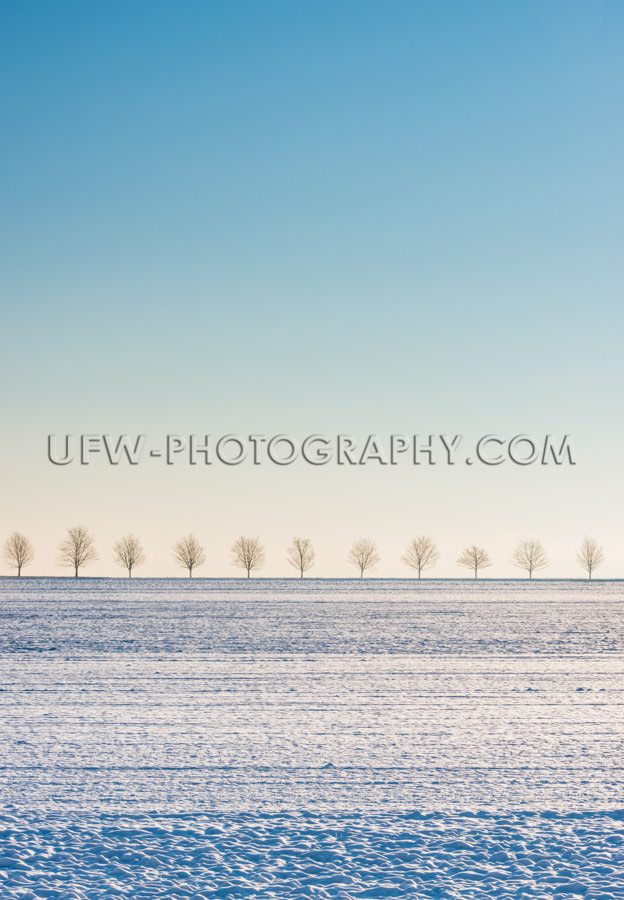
x,y
19,571
75,571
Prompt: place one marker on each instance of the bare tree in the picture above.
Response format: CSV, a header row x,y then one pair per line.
x,y
530,555
591,555
248,554
474,558
301,554
18,551
363,555
78,548
129,553
189,553
421,553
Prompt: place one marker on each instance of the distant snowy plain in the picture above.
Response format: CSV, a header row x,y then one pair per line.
x,y
315,739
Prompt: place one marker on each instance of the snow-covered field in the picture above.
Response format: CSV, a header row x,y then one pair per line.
x,y
165,738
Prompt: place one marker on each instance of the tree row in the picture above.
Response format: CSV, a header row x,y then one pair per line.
x,y
421,554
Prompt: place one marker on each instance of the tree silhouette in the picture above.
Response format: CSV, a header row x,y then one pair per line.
x,y
474,558
421,553
301,555
78,549
18,551
129,553
248,554
363,555
530,555
590,556
189,553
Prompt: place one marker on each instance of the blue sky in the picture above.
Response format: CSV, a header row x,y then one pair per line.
x,y
355,217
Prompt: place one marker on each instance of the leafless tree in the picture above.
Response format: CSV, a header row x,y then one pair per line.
x,y
18,551
248,553
301,555
78,548
189,553
530,555
591,555
474,558
421,553
129,553
363,555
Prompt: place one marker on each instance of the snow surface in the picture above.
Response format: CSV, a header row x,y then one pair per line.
x,y
344,739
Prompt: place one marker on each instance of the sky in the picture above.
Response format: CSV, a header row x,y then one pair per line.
x,y
334,218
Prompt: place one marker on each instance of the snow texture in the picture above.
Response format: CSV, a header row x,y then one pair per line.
x,y
318,739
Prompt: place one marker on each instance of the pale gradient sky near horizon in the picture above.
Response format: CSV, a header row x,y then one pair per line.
x,y
351,217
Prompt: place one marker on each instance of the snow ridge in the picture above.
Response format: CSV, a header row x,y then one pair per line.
x,y
343,857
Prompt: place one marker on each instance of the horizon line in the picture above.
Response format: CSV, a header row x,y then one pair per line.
x,y
295,578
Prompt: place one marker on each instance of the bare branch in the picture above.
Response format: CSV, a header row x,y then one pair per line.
x,y
78,549
530,555
129,553
421,553
301,555
590,556
363,555
474,558
18,551
189,553
248,554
